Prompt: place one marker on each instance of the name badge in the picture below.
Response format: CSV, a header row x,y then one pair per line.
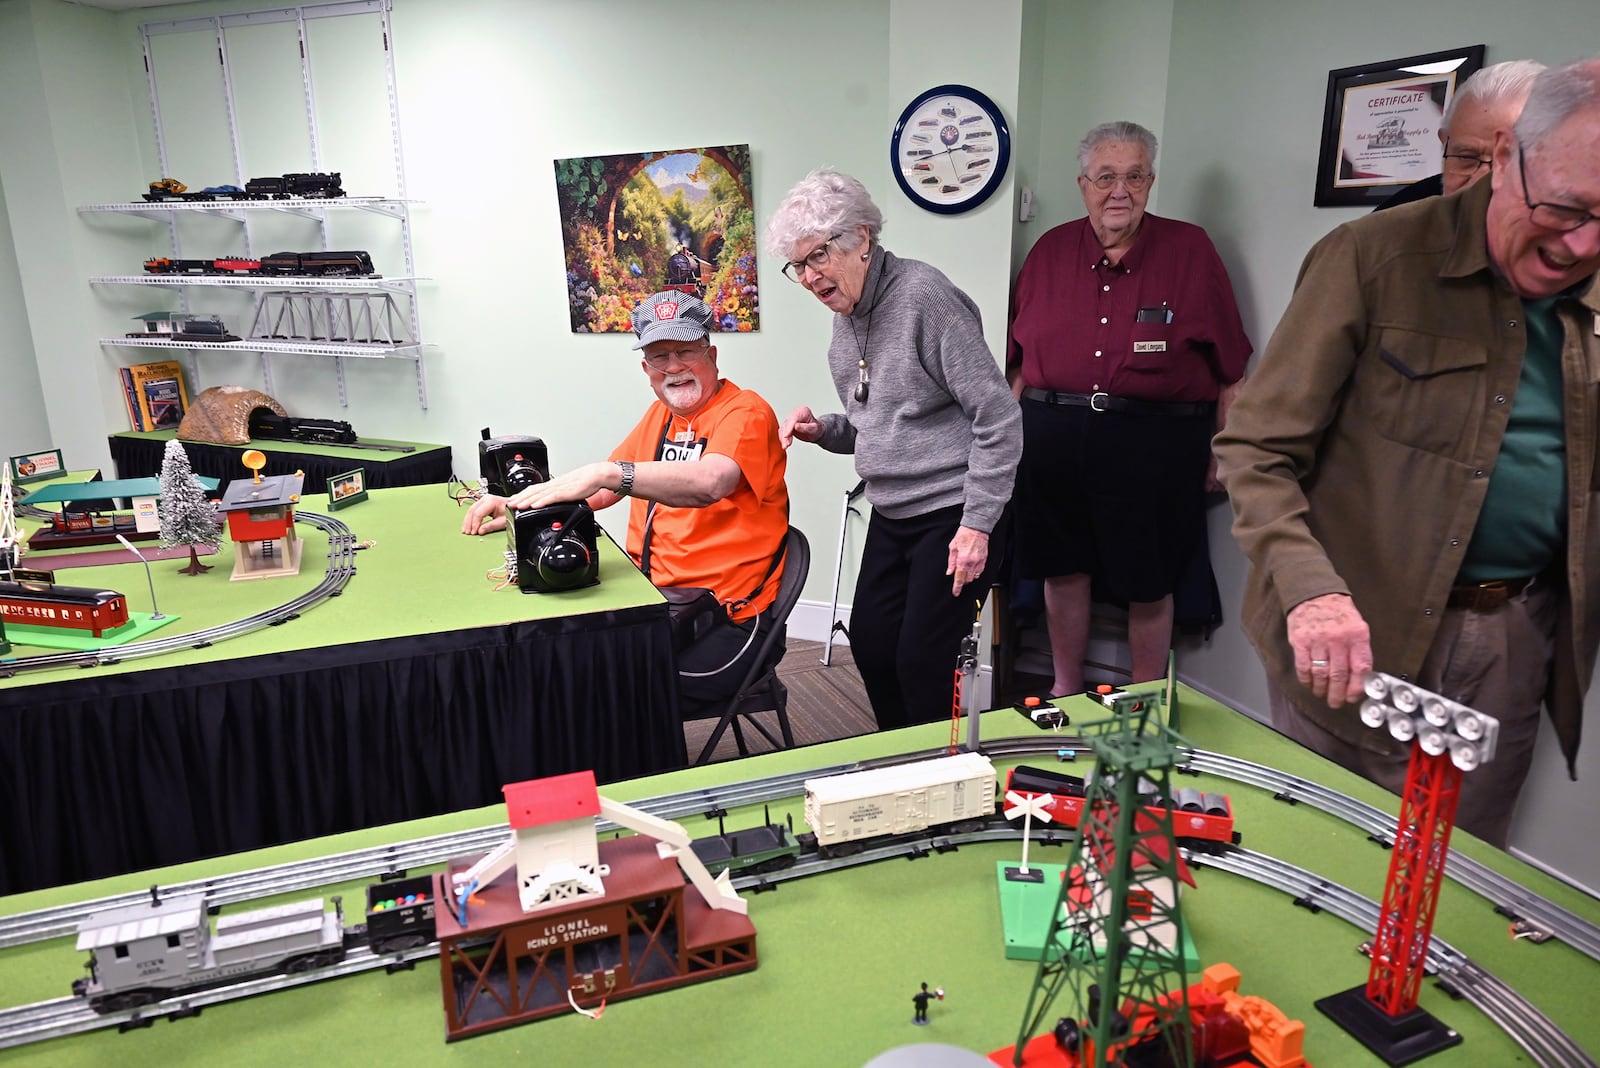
x,y
683,435
1149,346
682,452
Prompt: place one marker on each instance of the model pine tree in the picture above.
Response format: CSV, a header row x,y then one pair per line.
x,y
187,517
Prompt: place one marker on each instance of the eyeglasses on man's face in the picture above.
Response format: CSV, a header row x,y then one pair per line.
x,y
1561,217
689,354
816,259
1133,181
1464,161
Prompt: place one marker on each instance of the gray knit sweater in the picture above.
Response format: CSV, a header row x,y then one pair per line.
x,y
940,426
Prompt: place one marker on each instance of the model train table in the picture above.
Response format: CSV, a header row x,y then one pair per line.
x,y
843,953
420,689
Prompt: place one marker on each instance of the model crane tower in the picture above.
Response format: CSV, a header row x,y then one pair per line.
x,y
1115,945
1450,739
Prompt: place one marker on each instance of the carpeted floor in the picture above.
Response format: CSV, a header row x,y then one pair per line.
x,y
825,703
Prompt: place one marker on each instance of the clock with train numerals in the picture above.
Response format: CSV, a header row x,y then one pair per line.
x,y
950,149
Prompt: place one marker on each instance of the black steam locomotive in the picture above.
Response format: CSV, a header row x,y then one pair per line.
x,y
315,185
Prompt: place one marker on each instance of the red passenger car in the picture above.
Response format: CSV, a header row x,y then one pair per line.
x,y
35,604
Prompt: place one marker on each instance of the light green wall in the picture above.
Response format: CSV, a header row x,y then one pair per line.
x,y
1092,63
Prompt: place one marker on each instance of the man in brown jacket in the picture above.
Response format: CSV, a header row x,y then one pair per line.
x,y
1412,467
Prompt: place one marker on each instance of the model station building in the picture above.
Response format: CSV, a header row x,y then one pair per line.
x,y
584,921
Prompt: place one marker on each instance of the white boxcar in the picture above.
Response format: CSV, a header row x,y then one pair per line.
x,y
847,808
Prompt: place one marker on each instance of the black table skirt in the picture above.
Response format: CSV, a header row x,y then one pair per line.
x,y
119,773
141,458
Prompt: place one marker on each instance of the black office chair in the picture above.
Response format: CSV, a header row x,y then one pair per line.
x,y
761,690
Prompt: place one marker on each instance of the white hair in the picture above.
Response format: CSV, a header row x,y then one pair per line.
x,y
1557,95
1499,83
823,203
1109,132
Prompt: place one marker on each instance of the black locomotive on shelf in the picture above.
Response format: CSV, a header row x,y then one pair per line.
x,y
319,264
315,185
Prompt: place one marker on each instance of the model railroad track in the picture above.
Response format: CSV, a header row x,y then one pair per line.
x,y
1503,893
72,1016
341,566
1533,911
1543,1040
1536,1033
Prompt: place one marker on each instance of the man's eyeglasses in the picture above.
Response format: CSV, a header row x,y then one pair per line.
x,y
1133,181
816,259
1463,162
1551,216
693,354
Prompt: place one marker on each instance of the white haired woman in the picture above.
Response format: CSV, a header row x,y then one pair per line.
x,y
934,428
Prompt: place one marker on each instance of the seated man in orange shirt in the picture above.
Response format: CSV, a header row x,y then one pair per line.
x,y
706,473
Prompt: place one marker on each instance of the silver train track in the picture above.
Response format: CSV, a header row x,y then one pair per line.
x,y
1503,893
1524,1023
341,568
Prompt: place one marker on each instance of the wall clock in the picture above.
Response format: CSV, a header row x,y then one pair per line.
x,y
950,149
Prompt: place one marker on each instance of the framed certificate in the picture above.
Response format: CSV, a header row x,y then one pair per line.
x,y
1381,122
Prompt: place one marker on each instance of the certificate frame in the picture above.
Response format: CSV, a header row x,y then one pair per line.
x,y
347,489
1380,125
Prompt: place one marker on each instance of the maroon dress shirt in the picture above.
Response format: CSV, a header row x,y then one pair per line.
x,y
1159,326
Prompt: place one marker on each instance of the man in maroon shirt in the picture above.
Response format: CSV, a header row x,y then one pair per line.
x,y
1126,348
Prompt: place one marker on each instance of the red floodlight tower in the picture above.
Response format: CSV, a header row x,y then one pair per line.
x,y
1450,739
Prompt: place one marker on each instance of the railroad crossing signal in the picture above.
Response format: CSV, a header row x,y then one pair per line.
x,y
1027,807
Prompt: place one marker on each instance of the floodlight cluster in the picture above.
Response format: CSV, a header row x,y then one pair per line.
x,y
1438,724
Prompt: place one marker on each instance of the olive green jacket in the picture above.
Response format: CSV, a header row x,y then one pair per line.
x,y
1357,456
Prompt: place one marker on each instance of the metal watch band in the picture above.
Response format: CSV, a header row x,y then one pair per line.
x,y
626,487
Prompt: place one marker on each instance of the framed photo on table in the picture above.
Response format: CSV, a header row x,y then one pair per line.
x,y
347,489
1381,122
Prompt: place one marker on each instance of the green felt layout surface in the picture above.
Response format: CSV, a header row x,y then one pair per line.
x,y
842,954
421,576
267,445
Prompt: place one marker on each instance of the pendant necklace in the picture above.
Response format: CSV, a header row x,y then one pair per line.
x,y
863,385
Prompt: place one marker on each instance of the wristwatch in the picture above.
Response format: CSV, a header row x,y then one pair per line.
x,y
626,487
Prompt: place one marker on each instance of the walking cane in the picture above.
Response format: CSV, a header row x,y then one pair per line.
x,y
834,626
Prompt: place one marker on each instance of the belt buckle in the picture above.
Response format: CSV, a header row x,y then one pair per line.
x,y
1097,402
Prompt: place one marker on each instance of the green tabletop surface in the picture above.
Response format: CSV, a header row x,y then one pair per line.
x,y
308,448
421,576
841,954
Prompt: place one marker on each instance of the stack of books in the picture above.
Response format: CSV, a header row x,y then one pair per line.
x,y
155,395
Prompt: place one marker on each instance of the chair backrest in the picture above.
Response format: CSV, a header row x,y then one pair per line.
x,y
796,566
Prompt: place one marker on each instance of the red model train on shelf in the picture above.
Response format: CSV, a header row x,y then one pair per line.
x,y
1196,814
73,607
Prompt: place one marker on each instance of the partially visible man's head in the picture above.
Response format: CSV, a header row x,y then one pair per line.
x,y
1116,166
1489,100
1544,233
678,355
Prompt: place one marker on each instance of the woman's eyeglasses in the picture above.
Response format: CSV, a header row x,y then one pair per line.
x,y
816,259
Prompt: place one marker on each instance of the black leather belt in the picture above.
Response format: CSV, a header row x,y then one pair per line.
x,y
1487,596
1104,402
